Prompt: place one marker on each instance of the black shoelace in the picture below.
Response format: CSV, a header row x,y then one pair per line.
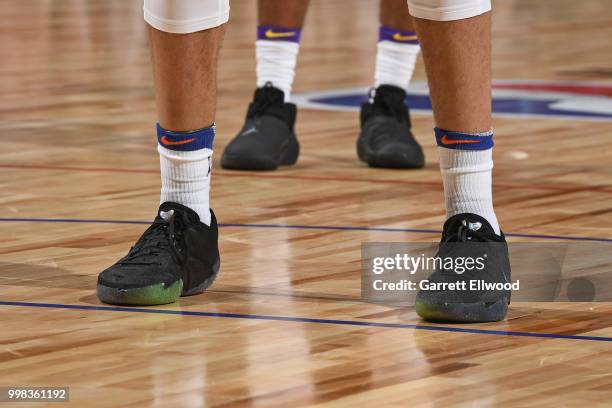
x,y
384,104
466,234
263,101
163,236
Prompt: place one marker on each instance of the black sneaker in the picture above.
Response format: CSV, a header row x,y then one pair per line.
x,y
176,256
267,139
386,139
468,236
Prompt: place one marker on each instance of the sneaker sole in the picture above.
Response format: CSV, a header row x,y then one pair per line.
x,y
386,161
463,312
288,157
152,295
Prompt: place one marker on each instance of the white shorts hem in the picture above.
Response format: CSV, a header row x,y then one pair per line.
x,y
188,26
449,13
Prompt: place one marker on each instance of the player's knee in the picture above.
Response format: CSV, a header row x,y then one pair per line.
x,y
447,10
185,16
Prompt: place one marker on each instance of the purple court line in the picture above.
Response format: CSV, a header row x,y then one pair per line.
x,y
307,227
308,320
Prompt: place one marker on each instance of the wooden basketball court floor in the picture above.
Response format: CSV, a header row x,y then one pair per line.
x,y
284,324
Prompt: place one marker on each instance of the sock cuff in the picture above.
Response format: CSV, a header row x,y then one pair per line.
x,y
397,36
468,161
464,141
276,49
186,141
276,33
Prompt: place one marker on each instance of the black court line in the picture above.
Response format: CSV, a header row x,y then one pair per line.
x,y
307,227
307,320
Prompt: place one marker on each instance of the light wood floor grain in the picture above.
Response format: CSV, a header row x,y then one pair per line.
x,y
77,130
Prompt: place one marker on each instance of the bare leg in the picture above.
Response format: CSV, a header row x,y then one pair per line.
x,y
394,14
457,58
282,13
185,72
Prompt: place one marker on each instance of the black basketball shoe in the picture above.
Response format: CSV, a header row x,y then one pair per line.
x,y
386,139
176,256
468,236
267,139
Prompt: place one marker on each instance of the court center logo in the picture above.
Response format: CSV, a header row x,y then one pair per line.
x,y
523,99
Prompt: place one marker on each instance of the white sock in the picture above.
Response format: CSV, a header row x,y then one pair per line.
x,y
185,174
395,58
276,62
467,177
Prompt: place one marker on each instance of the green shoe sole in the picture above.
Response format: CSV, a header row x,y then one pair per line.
x,y
157,294
480,312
